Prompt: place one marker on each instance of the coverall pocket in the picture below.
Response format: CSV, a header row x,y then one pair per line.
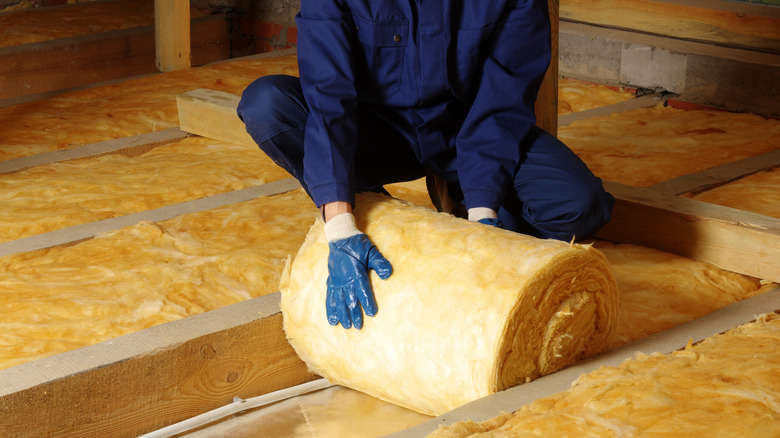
x,y
379,57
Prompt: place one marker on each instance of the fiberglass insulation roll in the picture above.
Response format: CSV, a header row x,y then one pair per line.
x,y
468,311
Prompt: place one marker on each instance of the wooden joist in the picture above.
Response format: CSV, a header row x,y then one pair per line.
x,y
150,379
731,239
720,22
72,62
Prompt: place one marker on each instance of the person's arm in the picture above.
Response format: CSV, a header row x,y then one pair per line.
x,y
327,80
513,63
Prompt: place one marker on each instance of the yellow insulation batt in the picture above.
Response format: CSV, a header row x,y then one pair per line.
x,y
726,386
63,298
574,95
49,197
757,193
468,311
648,146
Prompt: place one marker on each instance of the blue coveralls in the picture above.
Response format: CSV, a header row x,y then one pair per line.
x,y
390,89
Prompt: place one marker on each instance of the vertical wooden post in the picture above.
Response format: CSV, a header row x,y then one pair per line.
x,y
546,107
172,34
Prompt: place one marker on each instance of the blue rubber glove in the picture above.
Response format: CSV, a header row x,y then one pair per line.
x,y
349,290
490,221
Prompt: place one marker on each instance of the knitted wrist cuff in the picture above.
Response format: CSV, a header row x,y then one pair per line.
x,y
341,227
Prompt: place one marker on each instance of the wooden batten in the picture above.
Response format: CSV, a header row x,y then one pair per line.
x,y
546,105
150,379
73,62
720,22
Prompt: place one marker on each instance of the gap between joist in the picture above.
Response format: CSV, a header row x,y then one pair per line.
x,y
86,231
667,341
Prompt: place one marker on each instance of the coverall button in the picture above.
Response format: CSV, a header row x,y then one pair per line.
x,y
397,38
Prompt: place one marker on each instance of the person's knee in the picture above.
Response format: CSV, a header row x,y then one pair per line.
x,y
264,98
579,217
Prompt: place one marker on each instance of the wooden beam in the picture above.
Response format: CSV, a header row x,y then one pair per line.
x,y
731,239
717,176
73,62
546,105
720,22
172,34
150,379
212,114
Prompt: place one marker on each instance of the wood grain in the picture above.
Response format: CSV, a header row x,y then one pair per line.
x,y
172,34
72,62
147,380
731,239
212,114
718,22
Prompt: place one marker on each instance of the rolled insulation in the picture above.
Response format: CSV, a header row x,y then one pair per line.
x,y
468,311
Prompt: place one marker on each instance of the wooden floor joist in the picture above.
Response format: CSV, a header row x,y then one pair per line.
x,y
147,380
731,239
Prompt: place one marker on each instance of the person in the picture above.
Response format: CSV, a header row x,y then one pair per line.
x,y
394,90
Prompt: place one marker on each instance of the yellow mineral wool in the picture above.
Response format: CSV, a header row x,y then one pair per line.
x,y
49,197
124,109
469,309
58,299
574,95
726,386
757,193
647,146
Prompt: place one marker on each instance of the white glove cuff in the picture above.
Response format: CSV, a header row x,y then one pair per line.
x,y
479,213
341,227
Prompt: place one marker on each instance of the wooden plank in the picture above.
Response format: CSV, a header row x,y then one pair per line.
x,y
731,239
628,105
717,176
72,62
546,105
713,21
212,114
78,233
147,380
667,341
172,34
128,146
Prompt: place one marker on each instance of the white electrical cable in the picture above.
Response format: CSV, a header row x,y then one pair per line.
x,y
238,405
